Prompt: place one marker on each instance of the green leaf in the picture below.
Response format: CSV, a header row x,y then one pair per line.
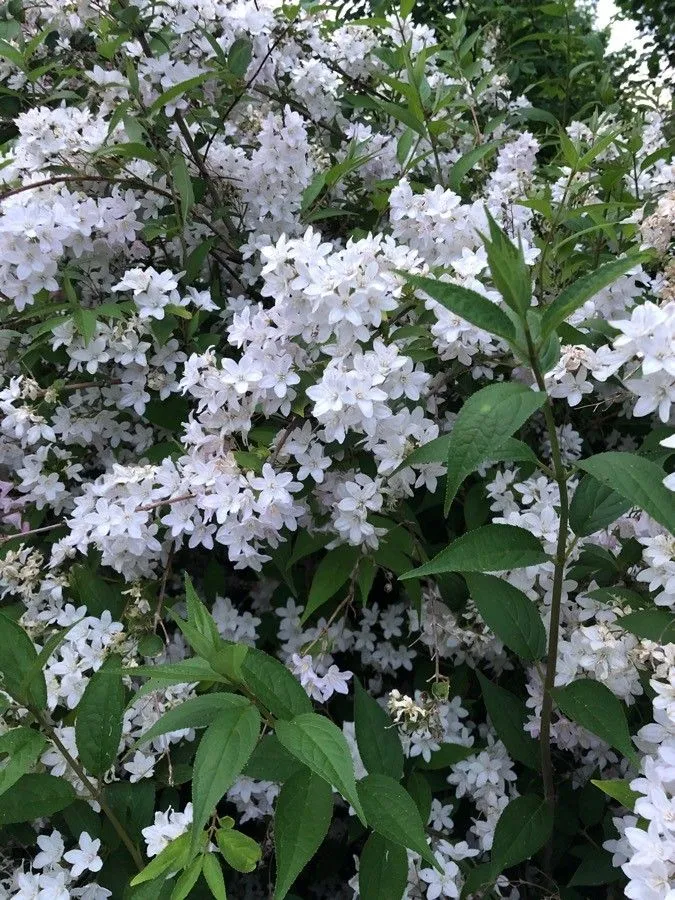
x,y
272,684
492,548
176,90
595,506
271,762
187,880
85,323
323,748
183,185
332,572
510,614
586,287
467,304
302,817
239,57
186,672
593,706
391,812
222,754
35,796
17,658
509,271
172,858
465,163
522,829
98,726
448,755
213,875
378,743
199,616
638,480
487,419
383,870
238,849
618,789
23,746
508,715
650,624
196,712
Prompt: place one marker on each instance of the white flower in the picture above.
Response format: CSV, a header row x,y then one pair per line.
x,y
85,857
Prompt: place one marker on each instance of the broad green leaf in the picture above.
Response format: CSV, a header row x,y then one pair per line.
x,y
465,163
487,419
228,659
638,480
436,451
467,304
172,858
271,762
187,880
239,850
508,715
492,548
448,755
323,748
595,869
195,712
595,506
383,870
17,658
186,672
586,287
23,747
213,875
618,789
509,271
301,820
183,185
35,796
650,624
332,572
239,57
175,91
593,706
98,726
199,616
222,754
391,812
378,743
510,614
523,828
273,685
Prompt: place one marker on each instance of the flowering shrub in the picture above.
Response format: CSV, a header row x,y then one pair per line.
x,y
337,550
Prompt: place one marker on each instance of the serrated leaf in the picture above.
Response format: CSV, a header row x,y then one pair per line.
x,y
467,304
593,706
183,185
618,789
17,658
574,296
487,419
222,754
213,875
302,817
383,870
239,57
391,812
595,506
465,163
239,851
510,614
323,748
271,762
523,828
273,685
98,726
508,715
35,796
491,548
378,742
172,858
638,480
187,880
332,572
650,624
195,712
23,747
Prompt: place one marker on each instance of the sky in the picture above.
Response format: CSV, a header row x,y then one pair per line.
x,y
622,33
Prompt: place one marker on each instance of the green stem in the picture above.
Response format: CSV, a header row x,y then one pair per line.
x,y
92,789
560,476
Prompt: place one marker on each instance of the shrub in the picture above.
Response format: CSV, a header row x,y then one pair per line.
x,y
337,546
